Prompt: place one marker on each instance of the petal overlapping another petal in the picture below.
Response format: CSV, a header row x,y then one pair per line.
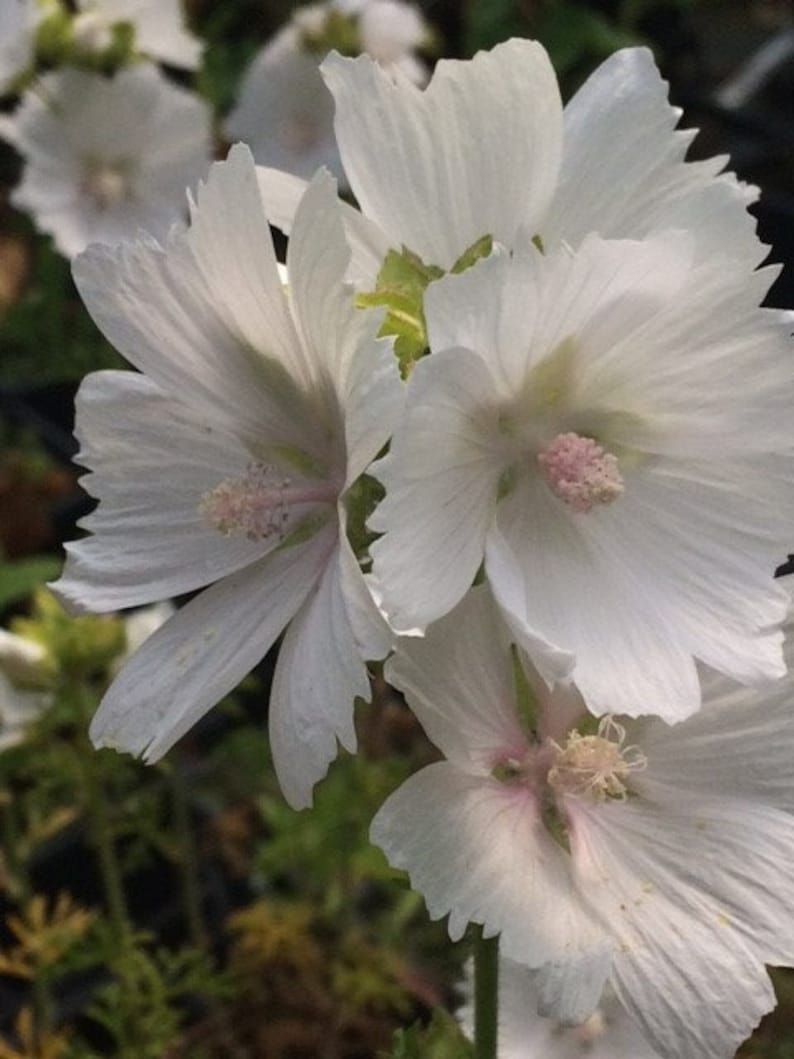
x,y
409,158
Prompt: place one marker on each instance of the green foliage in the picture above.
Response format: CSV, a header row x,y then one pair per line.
x,y
327,849
487,22
400,289
19,579
142,1010
76,645
47,335
579,36
360,501
442,1039
338,32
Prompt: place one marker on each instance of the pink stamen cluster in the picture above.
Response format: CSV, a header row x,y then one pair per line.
x,y
260,502
580,472
253,505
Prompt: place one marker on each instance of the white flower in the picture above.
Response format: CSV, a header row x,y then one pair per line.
x,y
524,1034
610,430
105,158
227,461
656,858
159,26
285,112
18,20
486,149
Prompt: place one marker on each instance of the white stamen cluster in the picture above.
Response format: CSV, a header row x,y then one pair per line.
x,y
595,765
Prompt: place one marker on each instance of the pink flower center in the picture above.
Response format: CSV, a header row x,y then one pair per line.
x,y
580,472
259,504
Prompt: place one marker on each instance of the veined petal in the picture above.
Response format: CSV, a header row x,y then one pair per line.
x,y
206,317
441,478
569,991
517,311
634,864
457,680
408,153
623,172
204,651
617,625
341,340
151,462
371,632
476,849
318,676
281,193
719,749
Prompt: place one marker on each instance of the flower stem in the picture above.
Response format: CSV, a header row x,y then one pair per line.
x,y
188,860
486,996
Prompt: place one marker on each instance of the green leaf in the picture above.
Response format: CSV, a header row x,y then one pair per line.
x,y
488,22
19,579
442,1039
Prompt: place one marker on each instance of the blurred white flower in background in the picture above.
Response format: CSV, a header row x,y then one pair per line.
x,y
18,21
159,26
285,112
105,158
608,1033
26,670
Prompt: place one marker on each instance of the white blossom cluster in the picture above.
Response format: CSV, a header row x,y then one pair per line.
x,y
541,334
107,156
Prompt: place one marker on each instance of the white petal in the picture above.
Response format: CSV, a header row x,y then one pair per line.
x,y
151,461
458,681
477,849
629,658
203,652
441,479
738,743
569,991
635,865
372,635
408,156
517,310
340,340
623,173
281,193
318,676
206,317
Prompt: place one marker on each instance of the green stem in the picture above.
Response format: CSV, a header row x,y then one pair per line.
x,y
187,858
103,840
486,996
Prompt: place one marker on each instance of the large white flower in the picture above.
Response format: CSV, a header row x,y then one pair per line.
x,y
285,112
107,157
159,26
608,1033
656,858
486,150
227,461
18,20
610,430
